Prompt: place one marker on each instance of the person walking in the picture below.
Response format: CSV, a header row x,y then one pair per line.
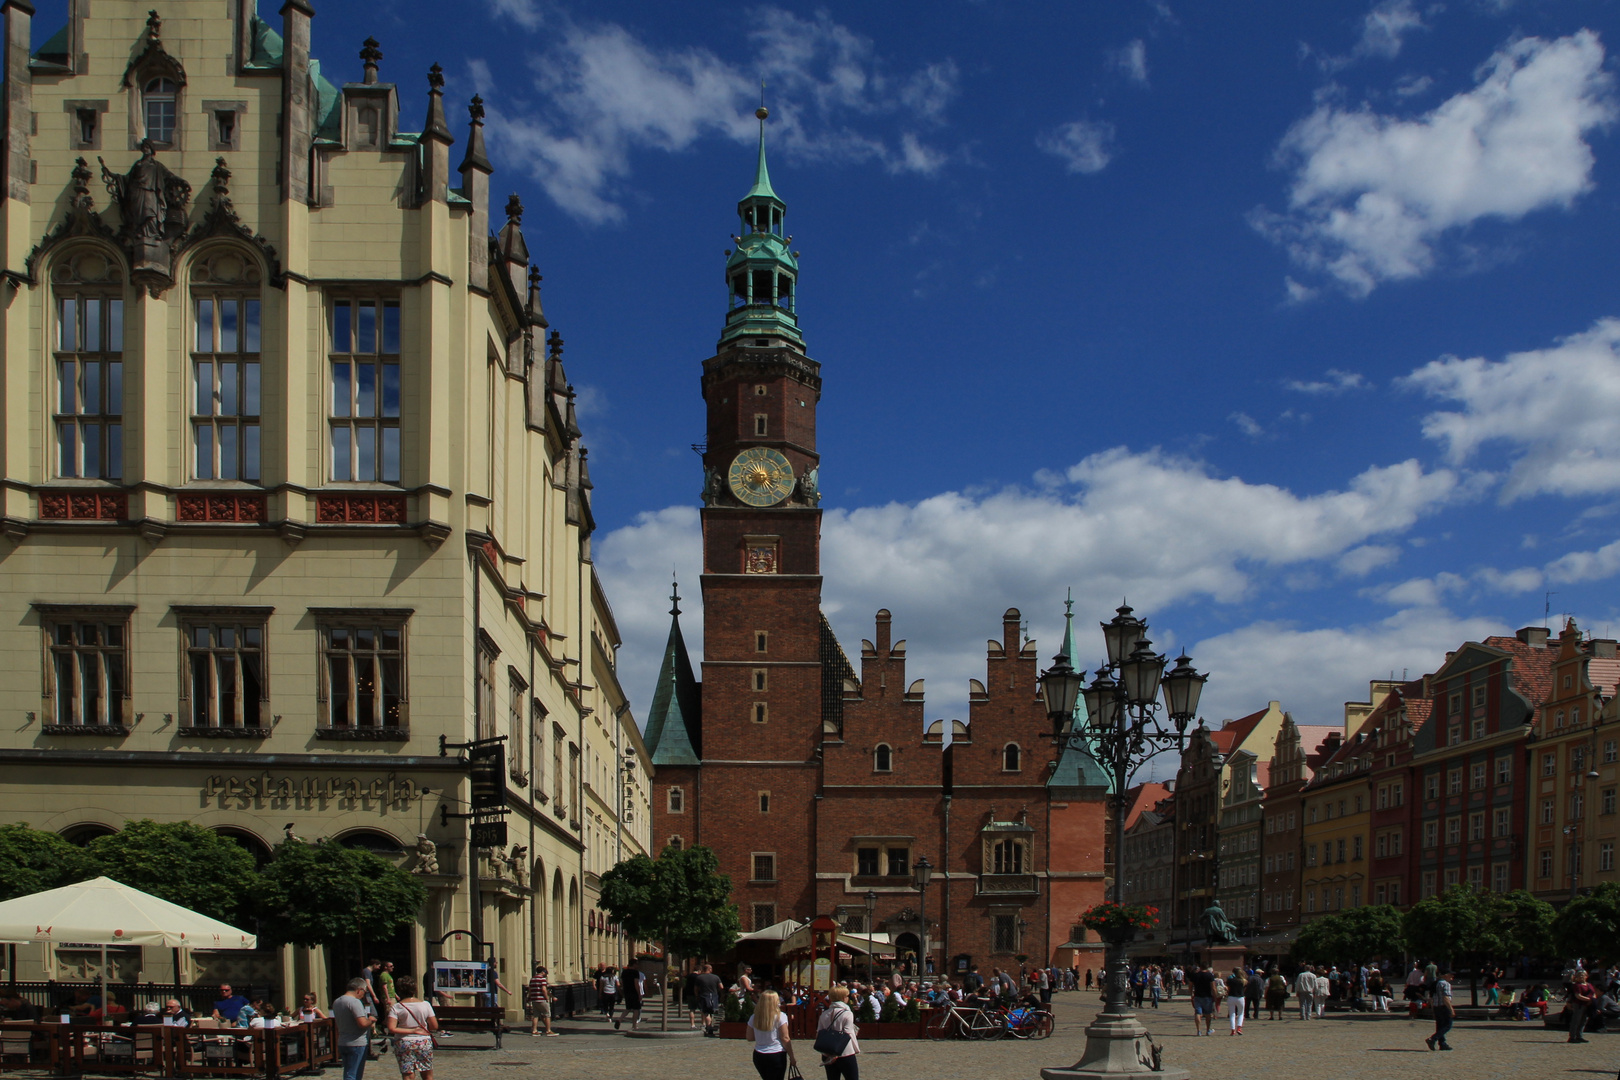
x,y
387,992
630,991
411,1022
709,988
773,1049
354,1023
1254,992
1276,993
1237,998
1203,981
1581,996
537,1002
1413,991
840,1019
1305,991
1323,988
1444,1013
607,990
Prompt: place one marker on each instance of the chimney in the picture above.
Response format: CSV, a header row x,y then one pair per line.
x,y
1533,636
1602,648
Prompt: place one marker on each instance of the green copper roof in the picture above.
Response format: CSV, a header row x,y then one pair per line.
x,y
676,705
1077,765
762,175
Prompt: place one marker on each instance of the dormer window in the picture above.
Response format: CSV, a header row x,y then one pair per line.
x,y
158,99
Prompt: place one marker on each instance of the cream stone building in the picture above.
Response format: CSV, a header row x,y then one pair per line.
x,y
293,487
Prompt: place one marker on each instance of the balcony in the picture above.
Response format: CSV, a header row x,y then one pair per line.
x,y
1007,885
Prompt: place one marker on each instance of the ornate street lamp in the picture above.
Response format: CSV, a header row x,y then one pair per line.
x,y
1127,729
921,873
871,907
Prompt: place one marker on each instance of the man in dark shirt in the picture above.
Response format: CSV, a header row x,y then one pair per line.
x,y
1203,989
229,1004
709,989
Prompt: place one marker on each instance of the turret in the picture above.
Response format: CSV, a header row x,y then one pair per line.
x,y
762,272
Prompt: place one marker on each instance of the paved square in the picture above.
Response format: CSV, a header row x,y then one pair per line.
x,y
1340,1047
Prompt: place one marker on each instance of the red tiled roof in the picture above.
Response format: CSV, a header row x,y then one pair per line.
x,y
1532,668
1143,797
1262,774
1223,740
1239,729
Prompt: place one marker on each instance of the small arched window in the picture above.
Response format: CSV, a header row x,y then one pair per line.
x,y
1011,760
159,100
677,800
882,758
677,843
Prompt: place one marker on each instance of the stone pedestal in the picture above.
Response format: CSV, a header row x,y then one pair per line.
x,y
1116,1046
1223,958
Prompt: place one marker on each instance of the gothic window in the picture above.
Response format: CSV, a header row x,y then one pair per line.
x,y
89,393
761,639
762,712
225,685
559,800
760,679
225,384
363,676
1010,758
87,682
1007,857
677,842
882,758
160,108
364,400
1004,930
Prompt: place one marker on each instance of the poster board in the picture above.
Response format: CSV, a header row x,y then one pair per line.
x,y
460,977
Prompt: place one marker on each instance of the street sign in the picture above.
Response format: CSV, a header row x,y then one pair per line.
x,y
488,834
486,765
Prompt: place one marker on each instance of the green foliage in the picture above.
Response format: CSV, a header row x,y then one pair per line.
x,y
182,863
912,1012
869,1011
1589,926
891,1009
1350,937
1471,926
314,894
33,860
680,899
738,1008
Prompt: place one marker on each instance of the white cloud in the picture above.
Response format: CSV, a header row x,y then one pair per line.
x,y
1412,85
1159,529
1132,60
1580,566
1372,195
1384,28
1335,382
1361,561
1247,424
605,94
1084,145
1314,671
1299,293
1557,409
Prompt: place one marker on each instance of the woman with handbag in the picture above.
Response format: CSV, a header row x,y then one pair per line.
x,y
773,1049
835,1038
411,1023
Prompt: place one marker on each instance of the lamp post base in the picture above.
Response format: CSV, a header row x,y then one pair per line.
x,y
1116,1046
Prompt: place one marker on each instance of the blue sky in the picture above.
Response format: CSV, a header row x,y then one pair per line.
x,y
1297,324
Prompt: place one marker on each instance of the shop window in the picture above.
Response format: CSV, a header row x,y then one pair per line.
x,y
364,398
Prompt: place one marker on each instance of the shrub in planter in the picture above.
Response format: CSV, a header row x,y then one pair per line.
x,y
738,1009
911,1013
868,1013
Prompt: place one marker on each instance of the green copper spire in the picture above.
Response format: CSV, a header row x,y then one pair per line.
x,y
762,174
762,272
1077,765
674,723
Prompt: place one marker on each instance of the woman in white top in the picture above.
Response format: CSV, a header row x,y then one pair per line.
x,y
772,1047
839,1018
411,1022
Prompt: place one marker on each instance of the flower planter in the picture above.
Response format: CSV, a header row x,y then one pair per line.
x,y
900,1029
734,1029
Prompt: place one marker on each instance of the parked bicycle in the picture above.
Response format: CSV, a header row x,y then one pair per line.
x,y
954,1021
1027,1022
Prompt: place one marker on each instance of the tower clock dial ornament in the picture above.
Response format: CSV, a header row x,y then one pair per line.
x,y
761,476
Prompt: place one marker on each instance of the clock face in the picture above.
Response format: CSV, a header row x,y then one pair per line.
x,y
761,476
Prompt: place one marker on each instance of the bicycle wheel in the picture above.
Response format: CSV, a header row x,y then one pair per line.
x,y
995,1027
939,1025
1044,1026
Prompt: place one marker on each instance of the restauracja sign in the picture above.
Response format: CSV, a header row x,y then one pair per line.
x,y
310,793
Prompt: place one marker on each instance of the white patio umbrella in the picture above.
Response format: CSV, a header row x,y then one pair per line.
x,y
107,912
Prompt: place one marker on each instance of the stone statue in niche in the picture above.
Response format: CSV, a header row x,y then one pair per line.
x,y
810,486
518,863
152,201
427,855
711,486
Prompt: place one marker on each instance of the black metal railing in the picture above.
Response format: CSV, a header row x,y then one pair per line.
x,y
197,999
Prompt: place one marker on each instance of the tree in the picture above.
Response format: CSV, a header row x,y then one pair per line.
x,y
1351,937
314,894
1589,926
1474,926
33,860
679,899
182,863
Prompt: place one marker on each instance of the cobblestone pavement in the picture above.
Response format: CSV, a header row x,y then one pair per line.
x,y
1340,1047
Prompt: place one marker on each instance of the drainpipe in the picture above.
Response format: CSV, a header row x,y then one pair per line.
x,y
945,915
475,893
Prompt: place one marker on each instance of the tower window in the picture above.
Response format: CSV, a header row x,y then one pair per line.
x,y
1010,758
882,758
761,712
760,638
86,122
225,122
759,679
764,802
760,424
760,390
158,99
677,800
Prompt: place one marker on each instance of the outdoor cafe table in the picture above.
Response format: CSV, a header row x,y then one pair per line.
x,y
75,1049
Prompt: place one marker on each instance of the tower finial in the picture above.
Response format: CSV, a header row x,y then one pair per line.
x,y
370,54
674,596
